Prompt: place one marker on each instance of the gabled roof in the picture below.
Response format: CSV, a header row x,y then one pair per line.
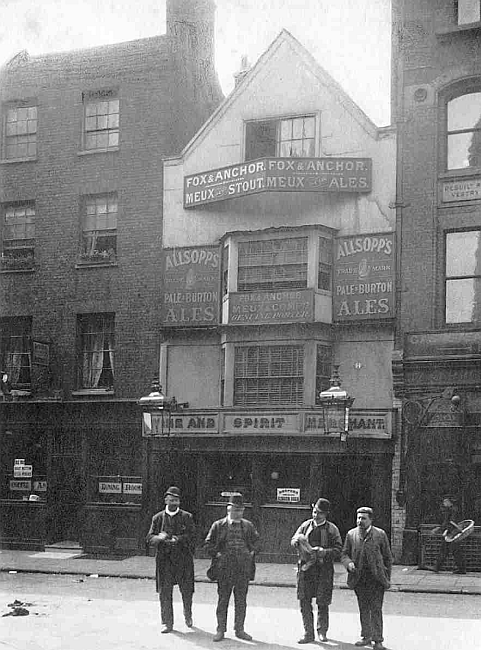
x,y
324,78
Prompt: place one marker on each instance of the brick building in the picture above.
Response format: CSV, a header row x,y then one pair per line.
x,y
83,138
278,262
437,109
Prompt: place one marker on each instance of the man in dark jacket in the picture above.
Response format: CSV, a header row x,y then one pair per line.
x,y
367,557
172,531
449,515
232,542
315,574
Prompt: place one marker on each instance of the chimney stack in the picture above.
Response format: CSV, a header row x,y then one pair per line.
x,y
190,28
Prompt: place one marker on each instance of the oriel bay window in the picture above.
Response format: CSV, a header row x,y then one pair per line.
x,y
268,375
272,264
283,138
463,277
96,351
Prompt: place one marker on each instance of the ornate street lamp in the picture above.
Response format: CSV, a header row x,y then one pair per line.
x,y
335,403
157,410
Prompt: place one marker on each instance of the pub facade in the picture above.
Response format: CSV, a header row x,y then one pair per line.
x,y
278,263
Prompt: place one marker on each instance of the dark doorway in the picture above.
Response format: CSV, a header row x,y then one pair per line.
x,y
347,485
66,499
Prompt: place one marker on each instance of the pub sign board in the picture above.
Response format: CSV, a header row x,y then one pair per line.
x,y
191,286
364,275
271,307
278,175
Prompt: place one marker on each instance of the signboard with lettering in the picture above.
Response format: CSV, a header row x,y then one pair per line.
x,y
24,486
196,423
132,488
262,423
271,306
289,495
40,353
369,423
40,486
364,272
191,286
22,471
468,189
107,487
278,175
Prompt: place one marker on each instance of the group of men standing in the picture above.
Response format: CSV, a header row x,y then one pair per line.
x,y
231,543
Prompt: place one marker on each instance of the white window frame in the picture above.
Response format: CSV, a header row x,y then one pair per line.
x,y
21,131
279,118
101,118
18,252
92,211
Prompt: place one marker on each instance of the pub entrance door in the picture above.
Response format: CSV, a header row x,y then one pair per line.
x,y
66,499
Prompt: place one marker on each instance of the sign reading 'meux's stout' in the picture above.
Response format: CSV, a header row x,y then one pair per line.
x,y
278,175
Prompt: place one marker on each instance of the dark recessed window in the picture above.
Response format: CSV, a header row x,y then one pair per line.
x,y
292,137
16,350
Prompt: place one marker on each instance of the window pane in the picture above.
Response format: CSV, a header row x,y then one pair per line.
x,y
113,139
460,300
463,254
464,112
261,139
464,150
298,128
286,129
468,12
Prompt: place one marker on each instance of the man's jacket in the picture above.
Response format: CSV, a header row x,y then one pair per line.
x,y
372,552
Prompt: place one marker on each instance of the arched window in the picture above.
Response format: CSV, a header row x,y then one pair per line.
x,y
463,130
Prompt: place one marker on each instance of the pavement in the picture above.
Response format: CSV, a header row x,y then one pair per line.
x,y
71,561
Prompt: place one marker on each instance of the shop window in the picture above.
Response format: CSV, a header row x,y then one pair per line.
x,y
99,228
268,375
284,138
24,464
286,479
463,277
114,468
323,369
227,474
272,264
463,128
96,345
101,120
468,11
20,132
18,236
16,350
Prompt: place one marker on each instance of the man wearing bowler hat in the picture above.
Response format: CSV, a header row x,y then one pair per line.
x,y
315,570
232,541
172,531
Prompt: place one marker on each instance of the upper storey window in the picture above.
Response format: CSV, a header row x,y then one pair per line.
x,y
464,131
272,264
463,277
288,137
18,236
20,132
99,228
469,11
101,120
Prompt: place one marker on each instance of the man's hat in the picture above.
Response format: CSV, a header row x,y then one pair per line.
x,y
173,491
323,505
366,510
236,500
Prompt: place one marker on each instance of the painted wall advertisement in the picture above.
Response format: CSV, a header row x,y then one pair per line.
x,y
191,286
278,175
364,272
271,306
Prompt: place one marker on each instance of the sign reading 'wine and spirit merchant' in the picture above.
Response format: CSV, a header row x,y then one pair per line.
x,y
278,175
364,277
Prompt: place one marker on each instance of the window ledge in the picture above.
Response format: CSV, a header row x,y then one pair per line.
x,y
87,392
94,265
88,152
8,161
29,270
453,29
460,173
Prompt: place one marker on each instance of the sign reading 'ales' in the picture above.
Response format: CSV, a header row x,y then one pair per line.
x,y
191,286
364,272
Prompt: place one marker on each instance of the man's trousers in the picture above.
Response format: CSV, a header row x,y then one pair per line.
x,y
239,585
308,617
166,607
370,597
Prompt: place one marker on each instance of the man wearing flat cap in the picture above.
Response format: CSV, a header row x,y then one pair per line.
x,y
367,557
172,532
319,544
232,541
